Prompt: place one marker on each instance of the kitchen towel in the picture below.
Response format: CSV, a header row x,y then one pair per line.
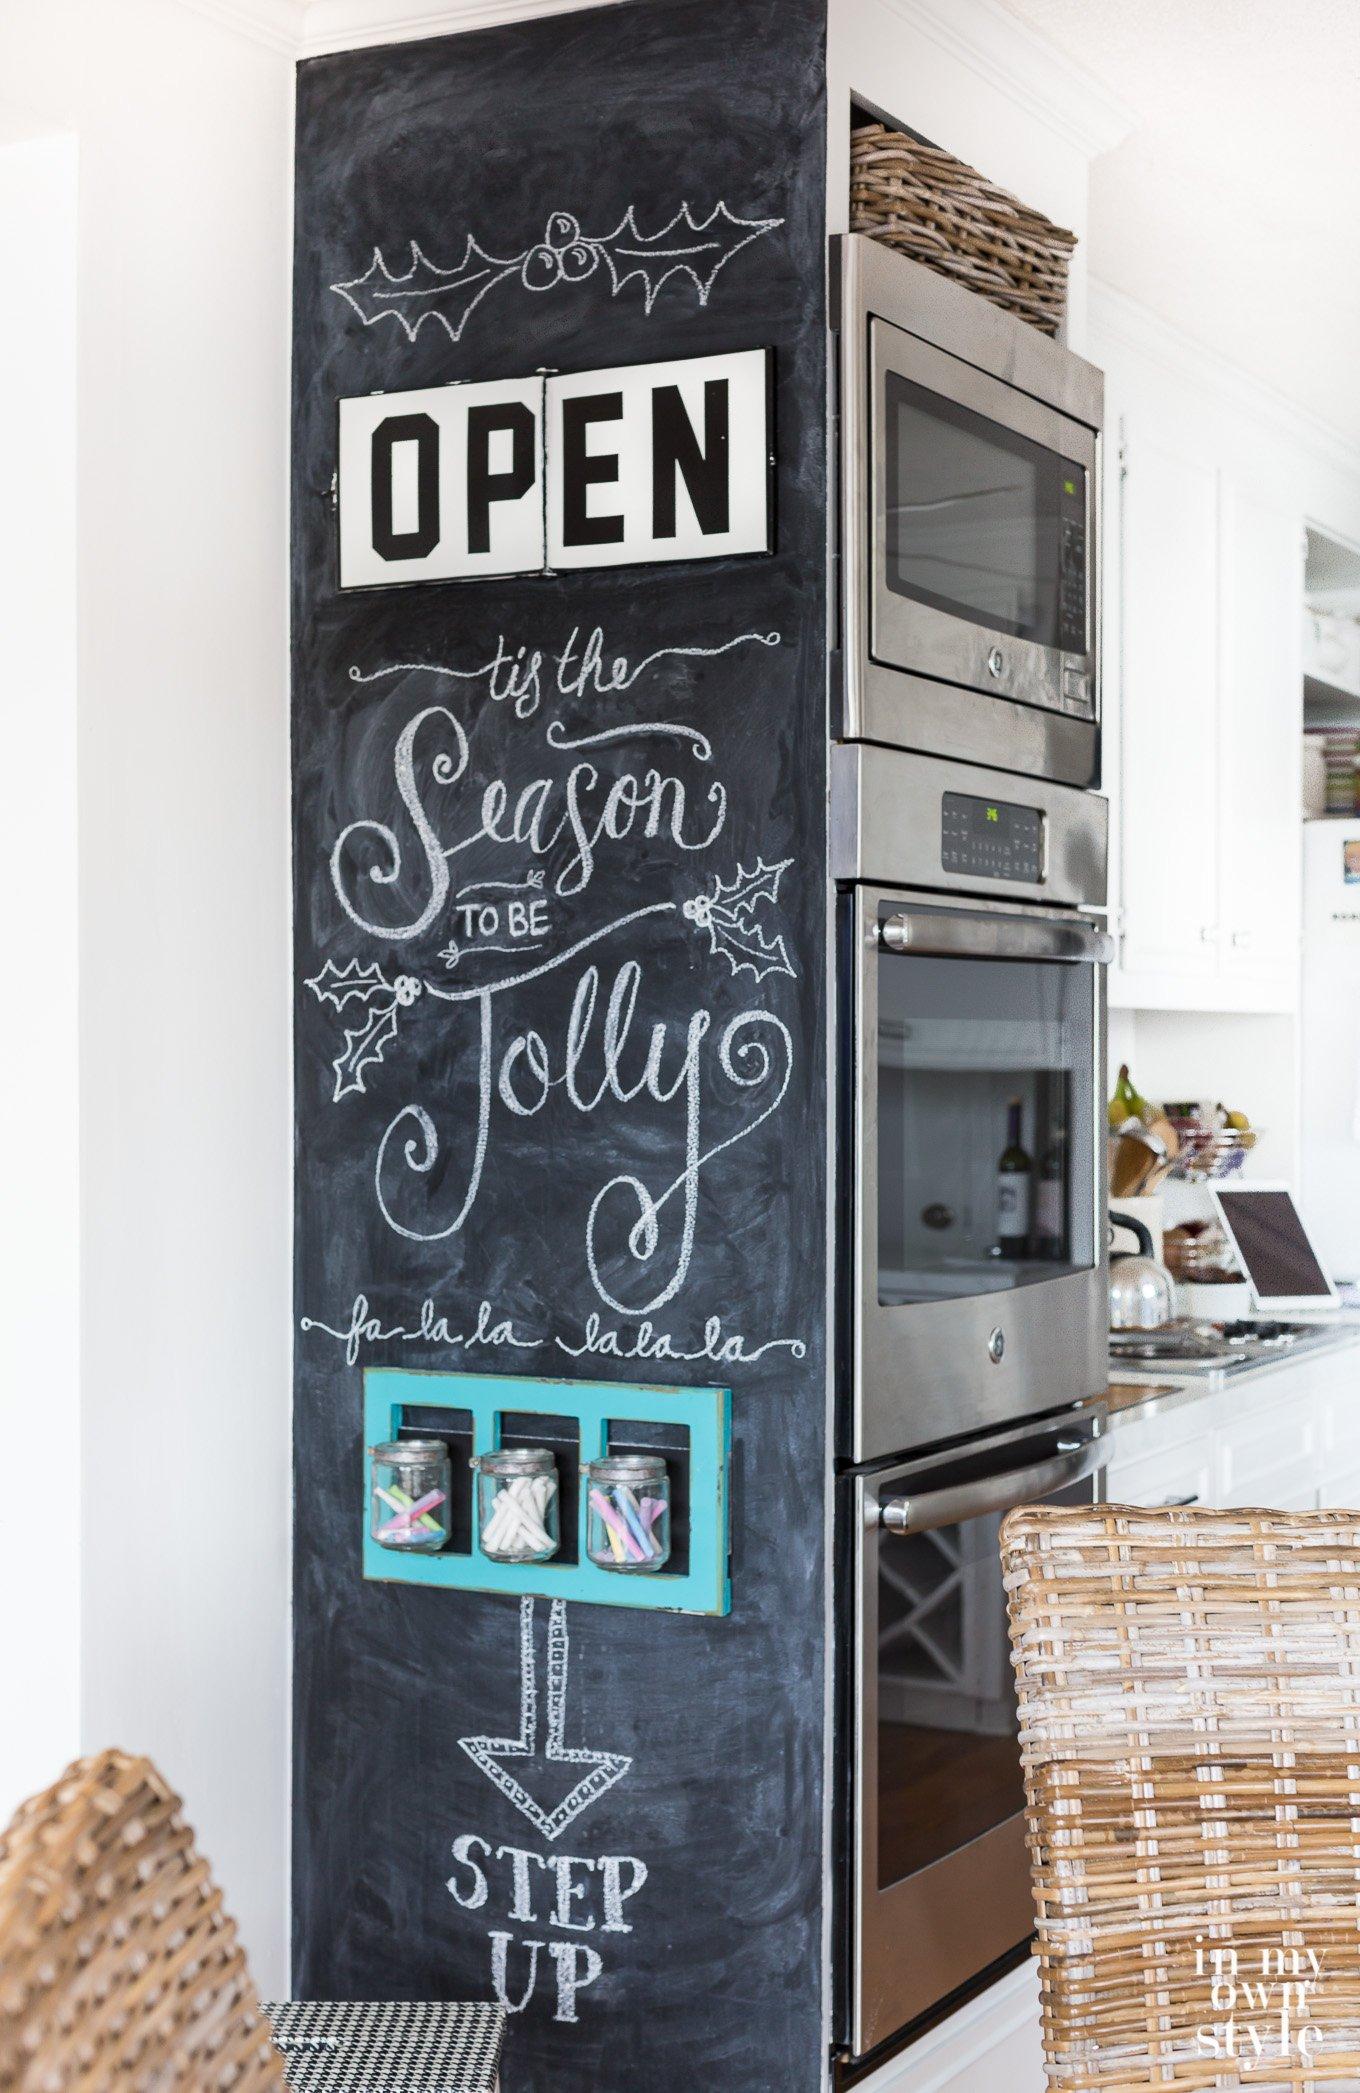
x,y
421,2046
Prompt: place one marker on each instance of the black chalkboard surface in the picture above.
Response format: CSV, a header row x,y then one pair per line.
x,y
560,889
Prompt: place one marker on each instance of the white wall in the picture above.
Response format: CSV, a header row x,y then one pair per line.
x,y
39,1108
183,133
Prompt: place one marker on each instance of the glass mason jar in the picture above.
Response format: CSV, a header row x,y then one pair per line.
x,y
517,1508
629,1525
410,1482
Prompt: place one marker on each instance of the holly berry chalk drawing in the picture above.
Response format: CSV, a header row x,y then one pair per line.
x,y
604,468
684,246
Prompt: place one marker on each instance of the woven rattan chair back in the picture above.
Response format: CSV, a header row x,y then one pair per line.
x,y
120,1972
1189,1688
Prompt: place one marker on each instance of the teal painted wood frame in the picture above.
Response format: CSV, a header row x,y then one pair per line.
x,y
706,1413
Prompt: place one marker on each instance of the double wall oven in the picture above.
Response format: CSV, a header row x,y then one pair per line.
x,y
969,856
972,1350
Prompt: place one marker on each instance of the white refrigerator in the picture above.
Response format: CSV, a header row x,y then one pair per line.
x,y
1331,1042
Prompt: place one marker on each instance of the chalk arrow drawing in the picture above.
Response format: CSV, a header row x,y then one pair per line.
x,y
496,1755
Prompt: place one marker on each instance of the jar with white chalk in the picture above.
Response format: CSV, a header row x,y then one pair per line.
x,y
518,1520
629,1526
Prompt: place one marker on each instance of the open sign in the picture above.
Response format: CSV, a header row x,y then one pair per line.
x,y
653,461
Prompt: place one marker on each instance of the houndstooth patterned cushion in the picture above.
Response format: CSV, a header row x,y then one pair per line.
x,y
393,2047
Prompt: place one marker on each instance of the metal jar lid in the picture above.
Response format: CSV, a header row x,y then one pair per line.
x,y
410,1453
627,1468
515,1460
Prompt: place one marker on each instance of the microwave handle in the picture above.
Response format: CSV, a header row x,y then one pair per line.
x,y
993,1493
993,937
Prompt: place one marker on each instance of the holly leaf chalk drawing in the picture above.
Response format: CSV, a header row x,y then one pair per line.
x,y
684,246
425,291
547,1809
341,985
728,915
383,1002
362,1048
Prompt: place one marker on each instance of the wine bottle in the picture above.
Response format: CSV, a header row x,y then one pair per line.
x,y
1050,1199
1014,1186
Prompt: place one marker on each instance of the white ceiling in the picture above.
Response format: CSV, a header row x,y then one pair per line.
x,y
1233,207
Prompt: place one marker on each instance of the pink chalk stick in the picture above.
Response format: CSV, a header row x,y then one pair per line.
x,y
611,1518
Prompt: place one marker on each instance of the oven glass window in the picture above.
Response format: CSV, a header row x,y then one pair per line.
x,y
948,1755
981,522
986,1125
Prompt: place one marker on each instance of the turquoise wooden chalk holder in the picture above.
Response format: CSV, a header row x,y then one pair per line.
x,y
705,1413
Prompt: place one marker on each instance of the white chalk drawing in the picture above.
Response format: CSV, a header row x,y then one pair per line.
x,y
362,1327
515,675
699,248
574,1892
497,1755
366,1042
361,1332
506,886
728,915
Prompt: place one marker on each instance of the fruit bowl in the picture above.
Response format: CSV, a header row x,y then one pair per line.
x,y
1211,1151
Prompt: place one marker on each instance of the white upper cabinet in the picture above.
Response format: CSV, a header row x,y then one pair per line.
x,y
1259,744
1164,760
1203,681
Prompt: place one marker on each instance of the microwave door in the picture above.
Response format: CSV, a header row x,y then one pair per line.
x,y
981,531
939,1871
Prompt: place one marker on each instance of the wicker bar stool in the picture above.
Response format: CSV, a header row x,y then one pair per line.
x,y
119,1968
1189,1690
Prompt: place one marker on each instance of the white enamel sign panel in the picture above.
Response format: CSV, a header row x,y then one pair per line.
x,y
648,462
659,461
442,484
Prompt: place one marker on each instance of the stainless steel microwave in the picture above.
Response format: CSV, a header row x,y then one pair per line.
x,y
970,519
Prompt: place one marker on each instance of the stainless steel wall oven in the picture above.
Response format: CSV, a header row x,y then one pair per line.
x,y
970,510
972,1332
937,1880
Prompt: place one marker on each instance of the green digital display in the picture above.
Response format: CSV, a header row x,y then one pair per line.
x,y
991,838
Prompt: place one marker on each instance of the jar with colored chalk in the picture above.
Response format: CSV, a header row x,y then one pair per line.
x,y
410,1481
629,1523
517,1508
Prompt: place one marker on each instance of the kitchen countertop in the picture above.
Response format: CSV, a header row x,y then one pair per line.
x,y
1134,1395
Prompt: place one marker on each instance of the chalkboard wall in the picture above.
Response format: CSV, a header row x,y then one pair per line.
x,y
472,1167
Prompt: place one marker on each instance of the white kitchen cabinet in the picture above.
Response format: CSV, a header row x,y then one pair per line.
x,y
1261,548
1203,589
1164,767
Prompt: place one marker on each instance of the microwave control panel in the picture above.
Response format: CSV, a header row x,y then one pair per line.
x,y
991,838
1072,560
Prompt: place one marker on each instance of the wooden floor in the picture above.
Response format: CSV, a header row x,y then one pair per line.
x,y
937,1789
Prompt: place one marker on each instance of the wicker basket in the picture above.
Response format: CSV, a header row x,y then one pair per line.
x,y
940,211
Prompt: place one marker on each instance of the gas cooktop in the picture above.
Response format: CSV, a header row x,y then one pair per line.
x,y
1212,1347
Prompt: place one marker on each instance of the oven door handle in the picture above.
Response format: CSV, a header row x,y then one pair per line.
x,y
994,937
994,1493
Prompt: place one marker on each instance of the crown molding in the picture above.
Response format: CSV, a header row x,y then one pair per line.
x,y
1002,49
308,28
1135,326
348,25
279,24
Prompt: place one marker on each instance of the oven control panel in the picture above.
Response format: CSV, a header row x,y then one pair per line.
x,y
991,838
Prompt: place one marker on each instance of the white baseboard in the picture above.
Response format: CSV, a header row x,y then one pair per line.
x,y
990,2044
